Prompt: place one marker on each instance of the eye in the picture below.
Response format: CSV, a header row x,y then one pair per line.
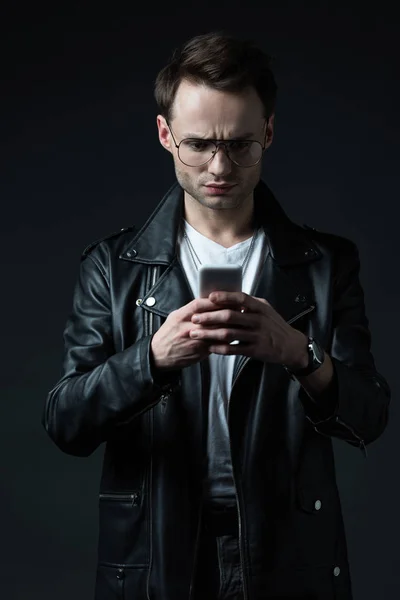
x,y
239,146
197,145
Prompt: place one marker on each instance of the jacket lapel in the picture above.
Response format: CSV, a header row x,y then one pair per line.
x,y
289,298
170,292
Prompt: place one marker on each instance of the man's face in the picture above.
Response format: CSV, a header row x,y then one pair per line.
x,y
205,113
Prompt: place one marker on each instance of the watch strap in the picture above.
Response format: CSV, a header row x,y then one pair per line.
x,y
315,359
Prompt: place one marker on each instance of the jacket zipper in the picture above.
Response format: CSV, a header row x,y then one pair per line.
x,y
121,582
241,551
304,312
239,515
238,491
152,283
151,417
196,544
116,497
163,401
150,508
149,325
196,547
167,393
361,443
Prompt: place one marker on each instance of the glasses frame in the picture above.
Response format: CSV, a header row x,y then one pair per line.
x,y
217,144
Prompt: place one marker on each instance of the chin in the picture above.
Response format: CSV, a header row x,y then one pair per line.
x,y
220,203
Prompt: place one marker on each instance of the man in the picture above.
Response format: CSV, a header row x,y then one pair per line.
x,y
218,479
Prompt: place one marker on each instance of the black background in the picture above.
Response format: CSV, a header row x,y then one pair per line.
x,y
80,158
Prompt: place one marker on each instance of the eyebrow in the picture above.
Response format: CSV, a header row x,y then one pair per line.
x,y
245,136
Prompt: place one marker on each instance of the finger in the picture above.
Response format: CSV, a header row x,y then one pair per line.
x,y
229,316
239,299
205,306
196,305
229,350
262,300
222,335
195,327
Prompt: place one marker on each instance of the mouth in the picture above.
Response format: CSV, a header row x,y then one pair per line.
x,y
219,189
220,185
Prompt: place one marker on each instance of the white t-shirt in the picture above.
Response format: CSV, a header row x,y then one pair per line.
x,y
219,485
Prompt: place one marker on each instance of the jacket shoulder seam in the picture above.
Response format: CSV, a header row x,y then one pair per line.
x,y
90,247
339,240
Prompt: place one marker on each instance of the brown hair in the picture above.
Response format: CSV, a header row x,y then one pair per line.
x,y
221,62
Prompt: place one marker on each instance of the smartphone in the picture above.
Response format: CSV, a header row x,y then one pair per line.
x,y
219,278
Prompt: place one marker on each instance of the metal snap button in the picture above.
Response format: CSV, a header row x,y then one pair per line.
x,y
139,301
336,571
318,505
150,301
131,253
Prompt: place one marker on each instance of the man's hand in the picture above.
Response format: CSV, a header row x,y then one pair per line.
x,y
172,346
261,331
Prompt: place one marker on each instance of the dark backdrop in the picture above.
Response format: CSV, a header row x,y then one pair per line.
x,y
80,158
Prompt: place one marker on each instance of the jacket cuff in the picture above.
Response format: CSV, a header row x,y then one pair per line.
x,y
360,414
323,406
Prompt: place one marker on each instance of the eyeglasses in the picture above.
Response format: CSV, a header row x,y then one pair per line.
x,y
196,152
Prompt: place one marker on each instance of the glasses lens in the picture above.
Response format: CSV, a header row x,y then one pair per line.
x,y
245,154
194,152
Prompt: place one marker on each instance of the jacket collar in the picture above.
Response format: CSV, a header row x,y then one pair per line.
x,y
155,242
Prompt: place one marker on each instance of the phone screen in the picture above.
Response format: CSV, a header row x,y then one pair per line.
x,y
215,278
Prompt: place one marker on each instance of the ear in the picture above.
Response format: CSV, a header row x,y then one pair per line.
x,y
164,134
270,131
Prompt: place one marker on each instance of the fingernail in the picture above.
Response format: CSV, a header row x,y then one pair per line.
x,y
196,319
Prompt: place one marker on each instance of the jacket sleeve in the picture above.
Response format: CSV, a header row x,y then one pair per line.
x,y
355,408
100,389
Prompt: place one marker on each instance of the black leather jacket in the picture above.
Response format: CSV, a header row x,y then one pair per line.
x,y
154,426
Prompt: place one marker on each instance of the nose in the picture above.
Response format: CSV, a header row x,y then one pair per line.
x,y
220,164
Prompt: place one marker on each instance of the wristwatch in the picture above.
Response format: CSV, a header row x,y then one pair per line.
x,y
316,357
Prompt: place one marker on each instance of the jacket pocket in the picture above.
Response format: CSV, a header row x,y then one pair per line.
x,y
123,529
317,527
132,498
120,583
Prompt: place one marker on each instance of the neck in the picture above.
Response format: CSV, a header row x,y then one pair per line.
x,y
224,226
